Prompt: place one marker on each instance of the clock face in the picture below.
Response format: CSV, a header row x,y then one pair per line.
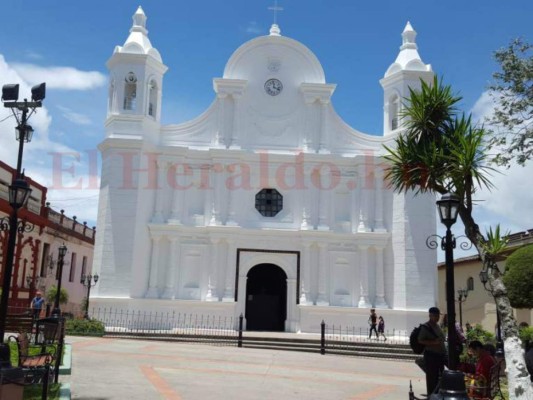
x,y
273,87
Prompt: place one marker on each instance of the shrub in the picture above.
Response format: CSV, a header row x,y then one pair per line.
x,y
478,333
518,277
526,334
84,327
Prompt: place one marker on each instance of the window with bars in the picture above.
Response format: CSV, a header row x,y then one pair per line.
x,y
269,202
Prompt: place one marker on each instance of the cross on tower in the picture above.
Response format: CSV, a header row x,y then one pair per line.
x,y
275,8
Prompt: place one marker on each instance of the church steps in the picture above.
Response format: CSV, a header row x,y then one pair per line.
x,y
382,350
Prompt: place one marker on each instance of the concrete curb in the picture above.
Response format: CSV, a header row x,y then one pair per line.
x,y
66,367
64,391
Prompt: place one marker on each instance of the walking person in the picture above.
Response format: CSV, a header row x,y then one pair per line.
x,y
432,337
37,305
381,327
373,322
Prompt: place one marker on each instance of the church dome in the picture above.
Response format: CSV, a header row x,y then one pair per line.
x,y
274,55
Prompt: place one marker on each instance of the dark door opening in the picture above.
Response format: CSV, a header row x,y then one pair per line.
x,y
266,298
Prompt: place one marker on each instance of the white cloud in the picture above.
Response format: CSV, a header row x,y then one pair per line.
x,y
509,203
62,178
254,28
34,55
77,118
60,77
483,108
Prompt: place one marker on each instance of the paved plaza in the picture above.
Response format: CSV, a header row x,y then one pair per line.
x,y
106,369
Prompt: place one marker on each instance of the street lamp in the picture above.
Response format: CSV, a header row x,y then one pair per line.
x,y
86,280
484,278
60,261
448,207
463,294
19,189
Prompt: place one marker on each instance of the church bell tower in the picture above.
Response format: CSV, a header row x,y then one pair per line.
x,y
135,84
404,73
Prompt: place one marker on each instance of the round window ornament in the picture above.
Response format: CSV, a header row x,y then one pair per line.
x,y
131,78
273,87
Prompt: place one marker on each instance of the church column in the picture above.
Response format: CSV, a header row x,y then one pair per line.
x,y
322,299
363,277
324,145
212,289
325,197
179,206
160,191
217,195
224,134
170,276
378,226
229,292
305,274
153,290
231,196
236,119
354,201
380,279
290,322
363,201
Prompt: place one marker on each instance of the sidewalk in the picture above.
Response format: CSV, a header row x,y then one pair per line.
x,y
108,369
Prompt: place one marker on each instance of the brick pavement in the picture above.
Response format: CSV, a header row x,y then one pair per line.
x,y
108,369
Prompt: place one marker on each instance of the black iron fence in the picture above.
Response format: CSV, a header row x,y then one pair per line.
x,y
170,325
228,331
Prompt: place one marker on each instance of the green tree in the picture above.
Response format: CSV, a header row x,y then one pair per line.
x,y
441,151
51,295
518,277
512,93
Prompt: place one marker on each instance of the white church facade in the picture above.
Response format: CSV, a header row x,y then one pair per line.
x,y
267,204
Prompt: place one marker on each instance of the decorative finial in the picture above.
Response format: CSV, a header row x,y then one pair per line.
x,y
408,37
139,21
274,30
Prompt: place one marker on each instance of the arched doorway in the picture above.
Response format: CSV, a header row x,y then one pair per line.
x,y
266,298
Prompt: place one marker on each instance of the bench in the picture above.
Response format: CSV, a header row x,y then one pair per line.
x,y
27,360
16,323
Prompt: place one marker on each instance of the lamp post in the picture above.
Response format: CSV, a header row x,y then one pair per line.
x,y
19,189
60,261
463,294
448,207
484,278
87,281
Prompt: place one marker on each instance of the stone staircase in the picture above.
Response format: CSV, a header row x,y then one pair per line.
x,y
372,349
355,346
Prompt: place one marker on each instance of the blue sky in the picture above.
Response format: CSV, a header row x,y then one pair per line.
x,y
67,43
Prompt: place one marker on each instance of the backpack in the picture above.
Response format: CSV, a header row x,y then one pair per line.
x,y
416,346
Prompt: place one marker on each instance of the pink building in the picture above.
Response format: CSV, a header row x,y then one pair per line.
x,y
36,253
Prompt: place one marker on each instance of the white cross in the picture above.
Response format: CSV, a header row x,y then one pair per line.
x,y
275,8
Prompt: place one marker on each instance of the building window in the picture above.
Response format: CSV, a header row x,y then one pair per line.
x,y
269,202
470,283
45,260
84,266
394,112
72,268
152,99
130,92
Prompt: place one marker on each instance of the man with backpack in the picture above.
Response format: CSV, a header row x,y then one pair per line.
x,y
432,337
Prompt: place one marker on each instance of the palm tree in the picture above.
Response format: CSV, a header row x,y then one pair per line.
x,y
442,151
